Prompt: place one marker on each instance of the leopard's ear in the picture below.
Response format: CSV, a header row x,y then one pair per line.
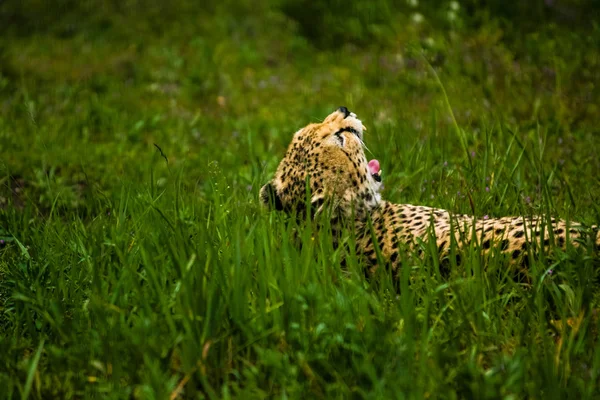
x,y
269,197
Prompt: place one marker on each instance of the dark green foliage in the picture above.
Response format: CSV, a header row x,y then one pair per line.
x,y
335,23
137,262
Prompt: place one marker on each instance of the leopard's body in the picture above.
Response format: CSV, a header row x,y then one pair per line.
x,y
328,158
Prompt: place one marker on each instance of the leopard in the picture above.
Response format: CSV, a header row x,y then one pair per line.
x,y
325,169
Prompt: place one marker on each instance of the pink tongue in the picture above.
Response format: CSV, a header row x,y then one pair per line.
x,y
373,167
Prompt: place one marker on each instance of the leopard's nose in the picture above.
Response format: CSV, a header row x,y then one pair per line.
x,y
345,111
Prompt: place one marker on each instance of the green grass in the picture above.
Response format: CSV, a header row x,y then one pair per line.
x,y
135,259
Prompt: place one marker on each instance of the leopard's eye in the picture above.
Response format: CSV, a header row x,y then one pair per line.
x,y
348,129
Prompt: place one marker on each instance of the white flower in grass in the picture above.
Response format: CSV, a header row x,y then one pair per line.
x,y
417,18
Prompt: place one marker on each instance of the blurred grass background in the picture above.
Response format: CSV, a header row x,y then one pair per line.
x,y
136,262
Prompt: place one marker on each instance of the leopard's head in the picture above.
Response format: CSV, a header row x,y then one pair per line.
x,y
326,162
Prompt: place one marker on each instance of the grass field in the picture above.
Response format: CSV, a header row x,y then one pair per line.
x,y
136,262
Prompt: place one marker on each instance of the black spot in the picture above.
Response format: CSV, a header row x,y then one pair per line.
x,y
516,254
347,129
504,244
518,234
441,246
445,268
561,241
546,242
498,231
486,244
559,231
394,257
458,259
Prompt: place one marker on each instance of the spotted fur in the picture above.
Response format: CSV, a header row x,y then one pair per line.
x,y
327,160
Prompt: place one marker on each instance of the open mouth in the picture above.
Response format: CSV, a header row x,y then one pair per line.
x,y
375,170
